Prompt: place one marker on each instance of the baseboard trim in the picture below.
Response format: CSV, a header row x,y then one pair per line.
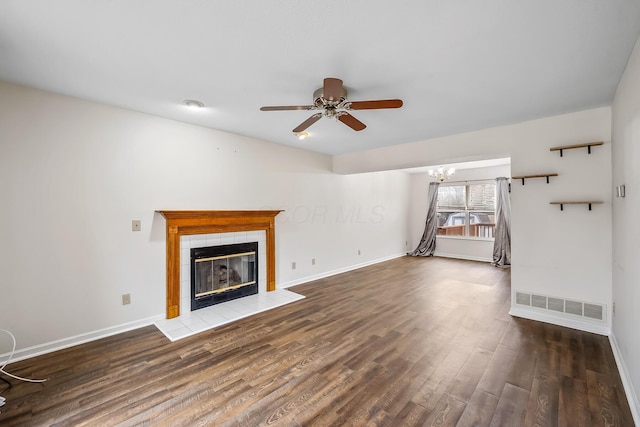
x,y
632,397
307,279
581,325
38,350
466,257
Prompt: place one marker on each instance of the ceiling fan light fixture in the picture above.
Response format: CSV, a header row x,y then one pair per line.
x,y
192,104
302,135
331,101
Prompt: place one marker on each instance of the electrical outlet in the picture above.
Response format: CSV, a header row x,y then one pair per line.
x,y
136,225
293,265
126,299
313,261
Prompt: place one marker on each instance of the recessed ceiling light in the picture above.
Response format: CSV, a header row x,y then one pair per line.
x,y
302,135
193,104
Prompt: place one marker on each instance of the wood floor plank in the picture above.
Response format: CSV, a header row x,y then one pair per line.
x,y
408,342
362,407
542,408
466,381
395,397
438,383
318,405
522,369
605,407
479,411
511,409
572,362
493,333
446,412
495,375
574,403
411,415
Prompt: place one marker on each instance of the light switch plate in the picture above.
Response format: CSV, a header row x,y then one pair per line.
x,y
136,225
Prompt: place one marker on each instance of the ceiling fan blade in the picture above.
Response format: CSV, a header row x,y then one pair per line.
x,y
332,89
287,107
351,121
374,105
311,120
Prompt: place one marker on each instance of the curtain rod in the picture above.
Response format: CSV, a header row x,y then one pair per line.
x,y
471,180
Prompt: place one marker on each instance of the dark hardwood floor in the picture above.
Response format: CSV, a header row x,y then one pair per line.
x,y
408,342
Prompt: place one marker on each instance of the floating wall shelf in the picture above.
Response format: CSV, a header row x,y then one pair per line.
x,y
593,202
570,147
543,175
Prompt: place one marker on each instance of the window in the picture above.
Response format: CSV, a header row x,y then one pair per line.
x,y
467,210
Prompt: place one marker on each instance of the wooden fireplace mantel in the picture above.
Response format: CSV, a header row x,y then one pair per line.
x,y
181,223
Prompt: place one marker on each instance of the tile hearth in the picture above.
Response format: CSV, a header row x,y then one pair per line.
x,y
192,322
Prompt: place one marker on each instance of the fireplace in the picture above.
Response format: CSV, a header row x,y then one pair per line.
x,y
223,273
189,223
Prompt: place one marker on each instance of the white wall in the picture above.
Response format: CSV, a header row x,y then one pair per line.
x,y
463,248
75,173
560,254
626,230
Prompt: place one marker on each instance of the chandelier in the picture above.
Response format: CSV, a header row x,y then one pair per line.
x,y
441,173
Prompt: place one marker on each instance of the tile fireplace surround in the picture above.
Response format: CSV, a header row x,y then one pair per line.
x,y
205,240
193,322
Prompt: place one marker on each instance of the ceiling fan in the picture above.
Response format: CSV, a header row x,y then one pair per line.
x,y
331,100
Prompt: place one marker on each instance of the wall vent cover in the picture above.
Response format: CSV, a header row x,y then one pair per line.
x,y
539,301
523,299
593,311
573,307
555,304
576,308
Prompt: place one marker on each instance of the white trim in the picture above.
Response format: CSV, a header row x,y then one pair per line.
x,y
632,397
473,239
467,257
52,346
337,271
557,319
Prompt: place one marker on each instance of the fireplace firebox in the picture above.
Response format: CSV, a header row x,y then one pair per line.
x,y
223,273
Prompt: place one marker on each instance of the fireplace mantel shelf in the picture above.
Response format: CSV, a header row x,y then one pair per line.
x,y
189,222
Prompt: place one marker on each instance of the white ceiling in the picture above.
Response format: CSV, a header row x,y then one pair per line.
x,y
458,65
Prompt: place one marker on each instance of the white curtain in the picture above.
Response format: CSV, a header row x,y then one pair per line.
x,y
427,245
502,235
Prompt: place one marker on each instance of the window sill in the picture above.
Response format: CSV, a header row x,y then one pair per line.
x,y
475,239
